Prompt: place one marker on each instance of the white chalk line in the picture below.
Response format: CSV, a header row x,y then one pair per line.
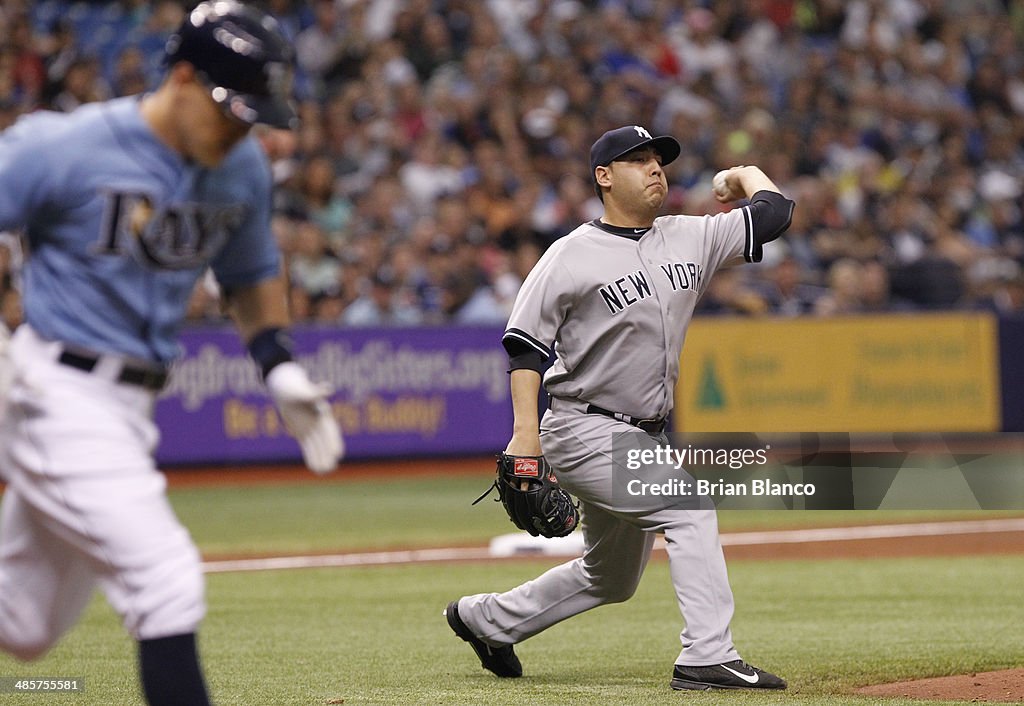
x,y
346,560
839,534
729,539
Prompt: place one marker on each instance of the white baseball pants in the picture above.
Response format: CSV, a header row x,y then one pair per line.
x,y
85,506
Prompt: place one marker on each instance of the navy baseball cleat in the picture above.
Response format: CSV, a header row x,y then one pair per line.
x,y
500,660
730,675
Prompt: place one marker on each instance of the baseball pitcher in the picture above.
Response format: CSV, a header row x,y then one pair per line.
x,y
612,301
123,205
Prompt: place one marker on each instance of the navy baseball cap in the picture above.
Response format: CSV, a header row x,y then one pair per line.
x,y
617,143
242,55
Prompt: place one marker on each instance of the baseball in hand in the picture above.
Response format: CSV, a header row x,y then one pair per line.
x,y
720,186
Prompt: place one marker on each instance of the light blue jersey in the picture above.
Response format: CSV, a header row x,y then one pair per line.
x,y
119,227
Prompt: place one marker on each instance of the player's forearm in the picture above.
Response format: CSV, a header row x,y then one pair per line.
x,y
259,307
749,180
525,386
260,313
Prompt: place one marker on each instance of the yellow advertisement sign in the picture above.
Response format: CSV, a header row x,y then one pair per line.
x,y
859,374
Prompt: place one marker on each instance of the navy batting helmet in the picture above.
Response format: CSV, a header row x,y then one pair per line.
x,y
241,53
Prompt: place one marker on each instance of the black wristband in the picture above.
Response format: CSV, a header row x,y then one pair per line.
x,y
270,347
529,360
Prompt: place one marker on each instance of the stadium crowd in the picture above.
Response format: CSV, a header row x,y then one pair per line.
x,y
443,143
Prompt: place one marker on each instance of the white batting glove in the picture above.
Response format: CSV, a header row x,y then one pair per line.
x,y
307,415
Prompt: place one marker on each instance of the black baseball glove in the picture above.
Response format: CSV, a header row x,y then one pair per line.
x,y
532,498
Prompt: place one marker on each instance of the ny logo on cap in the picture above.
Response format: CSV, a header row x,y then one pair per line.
x,y
642,133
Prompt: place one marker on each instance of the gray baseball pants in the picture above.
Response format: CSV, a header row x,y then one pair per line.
x,y
619,531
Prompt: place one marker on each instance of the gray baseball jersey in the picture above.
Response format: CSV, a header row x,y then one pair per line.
x,y
603,296
614,305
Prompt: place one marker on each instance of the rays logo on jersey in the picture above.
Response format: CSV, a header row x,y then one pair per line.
x,y
178,236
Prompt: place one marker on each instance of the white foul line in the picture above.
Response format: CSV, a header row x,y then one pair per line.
x,y
344,560
839,534
729,539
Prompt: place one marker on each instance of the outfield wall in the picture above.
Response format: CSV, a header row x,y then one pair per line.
x,y
399,392
921,373
430,391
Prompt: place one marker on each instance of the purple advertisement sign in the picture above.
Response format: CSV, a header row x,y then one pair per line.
x,y
398,392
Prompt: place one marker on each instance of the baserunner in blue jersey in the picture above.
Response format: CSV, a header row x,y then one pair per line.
x,y
122,206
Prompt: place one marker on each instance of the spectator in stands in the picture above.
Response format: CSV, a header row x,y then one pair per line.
x,y
59,53
382,304
153,22
729,294
428,175
468,301
82,83
129,76
1006,297
327,307
27,68
875,290
786,293
312,268
319,47
933,282
844,290
321,200
899,124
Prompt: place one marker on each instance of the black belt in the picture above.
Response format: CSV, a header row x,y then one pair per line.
x,y
149,378
651,426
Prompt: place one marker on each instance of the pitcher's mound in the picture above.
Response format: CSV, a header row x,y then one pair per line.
x,y
1006,686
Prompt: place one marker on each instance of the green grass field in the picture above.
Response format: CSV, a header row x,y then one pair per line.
x,y
412,512
376,635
